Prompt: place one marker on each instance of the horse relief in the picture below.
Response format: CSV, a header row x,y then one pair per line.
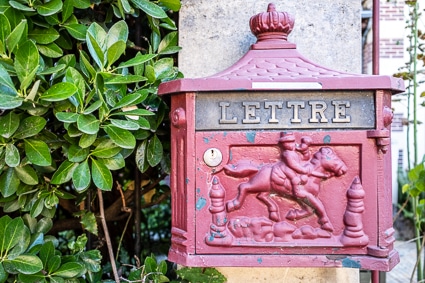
x,y
297,176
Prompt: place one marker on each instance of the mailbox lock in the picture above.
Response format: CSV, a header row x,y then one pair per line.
x,y
213,157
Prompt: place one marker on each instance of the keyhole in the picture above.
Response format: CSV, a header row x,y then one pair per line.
x,y
213,157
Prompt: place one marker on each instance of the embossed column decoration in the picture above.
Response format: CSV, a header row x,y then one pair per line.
x,y
280,162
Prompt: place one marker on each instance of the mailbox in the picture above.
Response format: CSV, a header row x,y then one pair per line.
x,y
277,161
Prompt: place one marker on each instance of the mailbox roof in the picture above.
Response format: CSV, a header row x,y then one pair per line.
x,y
281,69
273,63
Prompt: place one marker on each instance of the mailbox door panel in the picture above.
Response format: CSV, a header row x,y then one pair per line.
x,y
250,198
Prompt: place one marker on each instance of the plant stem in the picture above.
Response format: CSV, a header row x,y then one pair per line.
x,y
107,238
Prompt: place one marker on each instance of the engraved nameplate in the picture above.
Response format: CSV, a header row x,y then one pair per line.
x,y
285,110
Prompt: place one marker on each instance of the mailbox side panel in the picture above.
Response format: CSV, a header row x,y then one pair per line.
x,y
182,177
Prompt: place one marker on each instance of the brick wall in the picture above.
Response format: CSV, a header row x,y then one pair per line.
x,y
391,14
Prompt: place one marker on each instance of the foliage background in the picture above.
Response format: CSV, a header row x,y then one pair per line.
x,y
84,145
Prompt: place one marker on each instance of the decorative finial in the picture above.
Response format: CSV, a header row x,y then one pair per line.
x,y
271,25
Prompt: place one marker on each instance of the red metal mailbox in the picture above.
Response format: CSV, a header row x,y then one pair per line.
x,y
277,161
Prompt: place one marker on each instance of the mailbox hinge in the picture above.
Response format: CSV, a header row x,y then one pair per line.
x,y
382,139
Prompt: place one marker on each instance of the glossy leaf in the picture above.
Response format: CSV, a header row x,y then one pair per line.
x,y
50,50
49,8
77,154
18,34
5,29
95,39
9,123
129,100
150,8
44,35
171,4
14,231
125,124
114,163
88,124
169,40
67,117
53,263
26,63
101,175
9,182
81,176
106,149
127,79
115,51
26,264
67,9
89,222
27,175
154,151
138,60
77,31
38,152
135,112
46,252
69,270
7,86
122,138
12,157
95,105
64,173
141,160
59,91
117,33
30,127
87,140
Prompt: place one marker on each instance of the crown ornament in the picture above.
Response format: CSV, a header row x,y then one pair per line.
x,y
271,25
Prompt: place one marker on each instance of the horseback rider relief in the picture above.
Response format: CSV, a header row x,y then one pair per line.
x,y
297,176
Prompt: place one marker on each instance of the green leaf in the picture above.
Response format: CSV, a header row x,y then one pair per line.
x,y
135,112
169,40
121,137
125,79
171,4
59,91
69,270
64,173
26,264
26,63
46,252
163,67
118,32
141,160
154,151
115,51
87,140
12,157
51,50
9,102
114,163
125,124
138,60
95,38
29,127
20,7
67,9
14,232
27,175
95,105
38,152
44,35
88,124
9,123
77,31
101,175
9,182
7,87
81,176
77,154
106,149
88,219
150,8
67,117
49,8
18,34
53,264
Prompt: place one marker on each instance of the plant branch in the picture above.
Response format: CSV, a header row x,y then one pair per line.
x,y
108,239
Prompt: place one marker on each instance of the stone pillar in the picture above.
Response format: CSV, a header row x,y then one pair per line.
x,y
215,34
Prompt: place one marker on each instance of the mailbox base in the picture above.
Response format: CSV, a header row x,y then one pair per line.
x,y
266,260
